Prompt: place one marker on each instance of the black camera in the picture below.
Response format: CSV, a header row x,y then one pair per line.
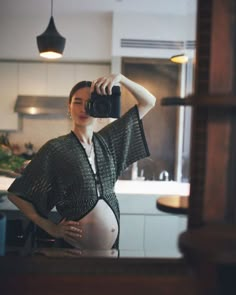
x,y
104,106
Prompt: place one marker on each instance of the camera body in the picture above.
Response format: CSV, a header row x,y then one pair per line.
x,y
104,106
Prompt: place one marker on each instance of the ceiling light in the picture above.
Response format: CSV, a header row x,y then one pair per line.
x,y
179,58
50,43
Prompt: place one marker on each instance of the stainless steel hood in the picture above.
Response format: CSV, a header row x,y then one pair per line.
x,y
41,105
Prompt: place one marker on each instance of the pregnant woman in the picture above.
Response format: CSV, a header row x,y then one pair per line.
x,y
77,172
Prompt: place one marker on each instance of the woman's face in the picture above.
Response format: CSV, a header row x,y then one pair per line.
x,y
77,108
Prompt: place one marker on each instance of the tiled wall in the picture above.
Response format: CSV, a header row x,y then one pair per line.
x,y
39,129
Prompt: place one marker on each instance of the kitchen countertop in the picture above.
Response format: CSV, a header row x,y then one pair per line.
x,y
131,187
152,187
123,188
5,182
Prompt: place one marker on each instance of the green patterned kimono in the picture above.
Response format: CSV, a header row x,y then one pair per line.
x,y
60,174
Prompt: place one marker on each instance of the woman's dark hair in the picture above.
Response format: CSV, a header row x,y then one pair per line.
x,y
79,85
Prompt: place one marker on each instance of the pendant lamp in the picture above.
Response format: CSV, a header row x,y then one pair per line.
x,y
179,58
50,43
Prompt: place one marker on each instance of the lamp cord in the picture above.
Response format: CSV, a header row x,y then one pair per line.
x,y
51,7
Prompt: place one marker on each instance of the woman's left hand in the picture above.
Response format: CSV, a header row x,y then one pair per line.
x,y
70,230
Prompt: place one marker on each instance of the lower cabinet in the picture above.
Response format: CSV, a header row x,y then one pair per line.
x,y
161,235
145,235
132,232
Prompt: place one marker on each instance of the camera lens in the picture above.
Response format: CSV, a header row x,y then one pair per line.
x,y
101,108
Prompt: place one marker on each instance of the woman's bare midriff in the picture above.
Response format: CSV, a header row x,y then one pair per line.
x,y
99,228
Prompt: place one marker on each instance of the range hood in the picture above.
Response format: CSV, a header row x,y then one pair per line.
x,y
41,105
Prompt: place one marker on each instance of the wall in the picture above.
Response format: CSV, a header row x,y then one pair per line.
x,y
88,37
151,27
162,79
95,37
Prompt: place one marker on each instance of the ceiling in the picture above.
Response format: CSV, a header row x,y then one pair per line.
x,y
38,8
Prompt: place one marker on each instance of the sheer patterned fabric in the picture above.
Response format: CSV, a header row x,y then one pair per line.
x,y
60,174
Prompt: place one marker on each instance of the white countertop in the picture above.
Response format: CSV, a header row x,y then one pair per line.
x,y
5,182
141,187
123,188
132,187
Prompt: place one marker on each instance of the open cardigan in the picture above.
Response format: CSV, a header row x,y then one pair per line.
x,y
60,174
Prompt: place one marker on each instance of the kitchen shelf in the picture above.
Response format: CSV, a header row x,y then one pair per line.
x,y
209,101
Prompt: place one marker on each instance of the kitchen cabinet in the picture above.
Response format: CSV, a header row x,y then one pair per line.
x,y
8,94
40,78
90,71
147,231
32,78
56,79
131,232
60,79
161,235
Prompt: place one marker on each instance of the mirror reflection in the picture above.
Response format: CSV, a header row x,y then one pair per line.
x,y
142,55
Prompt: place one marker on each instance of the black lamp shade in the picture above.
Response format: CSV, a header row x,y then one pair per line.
x,y
51,40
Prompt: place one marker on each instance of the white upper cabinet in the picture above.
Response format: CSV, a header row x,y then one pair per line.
x,y
60,79
40,78
90,71
8,94
32,79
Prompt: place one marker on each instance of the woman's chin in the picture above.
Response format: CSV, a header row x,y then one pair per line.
x,y
85,123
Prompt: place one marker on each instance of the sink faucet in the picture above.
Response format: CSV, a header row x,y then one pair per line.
x,y
164,175
134,171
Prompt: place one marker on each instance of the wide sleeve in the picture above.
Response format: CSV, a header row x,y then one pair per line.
x,y
36,183
126,140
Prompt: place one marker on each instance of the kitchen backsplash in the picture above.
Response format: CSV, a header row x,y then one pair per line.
x,y
39,129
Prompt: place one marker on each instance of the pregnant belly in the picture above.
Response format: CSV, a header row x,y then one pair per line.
x,y
99,228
